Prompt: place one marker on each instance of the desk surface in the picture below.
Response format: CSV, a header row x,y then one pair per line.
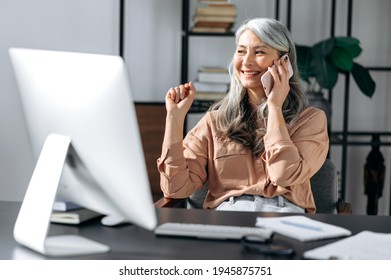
x,y
132,242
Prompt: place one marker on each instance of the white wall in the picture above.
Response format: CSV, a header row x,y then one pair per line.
x,y
70,25
153,41
152,51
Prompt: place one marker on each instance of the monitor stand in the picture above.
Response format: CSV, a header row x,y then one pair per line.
x,y
33,221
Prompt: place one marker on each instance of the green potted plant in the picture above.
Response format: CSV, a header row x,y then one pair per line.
x,y
319,65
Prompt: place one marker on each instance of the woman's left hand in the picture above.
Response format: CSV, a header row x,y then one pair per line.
x,y
281,86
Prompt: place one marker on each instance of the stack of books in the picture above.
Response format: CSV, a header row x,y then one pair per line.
x,y
216,16
212,84
216,75
69,213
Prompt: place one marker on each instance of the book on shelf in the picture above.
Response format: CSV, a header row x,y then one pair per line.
x,y
60,205
74,217
220,3
209,29
214,16
213,69
212,96
213,75
213,1
216,10
212,19
224,25
211,87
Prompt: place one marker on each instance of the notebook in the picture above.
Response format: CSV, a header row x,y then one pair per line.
x,y
302,228
75,217
366,245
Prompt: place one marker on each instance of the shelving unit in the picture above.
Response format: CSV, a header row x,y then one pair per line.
x,y
186,34
337,137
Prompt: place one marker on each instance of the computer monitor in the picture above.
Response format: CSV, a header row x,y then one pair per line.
x,y
84,135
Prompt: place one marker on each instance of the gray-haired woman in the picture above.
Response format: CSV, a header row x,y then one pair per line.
x,y
257,152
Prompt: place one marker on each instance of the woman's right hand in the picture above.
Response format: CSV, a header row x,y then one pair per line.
x,y
179,100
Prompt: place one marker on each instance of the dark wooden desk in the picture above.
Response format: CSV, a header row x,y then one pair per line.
x,y
131,242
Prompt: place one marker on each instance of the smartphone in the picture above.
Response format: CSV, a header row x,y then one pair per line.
x,y
267,79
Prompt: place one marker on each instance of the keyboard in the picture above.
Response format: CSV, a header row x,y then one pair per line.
x,y
208,231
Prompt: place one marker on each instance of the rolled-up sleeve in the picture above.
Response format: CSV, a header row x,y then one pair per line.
x,y
294,160
182,165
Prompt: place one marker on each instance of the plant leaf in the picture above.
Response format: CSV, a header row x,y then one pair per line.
x,y
325,72
323,48
350,44
342,59
345,50
363,79
304,62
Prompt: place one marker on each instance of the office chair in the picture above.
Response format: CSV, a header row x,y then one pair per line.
x,y
324,185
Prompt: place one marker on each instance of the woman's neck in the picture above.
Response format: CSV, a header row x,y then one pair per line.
x,y
255,98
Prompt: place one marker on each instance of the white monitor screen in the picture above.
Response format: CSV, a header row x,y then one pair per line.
x,y
87,97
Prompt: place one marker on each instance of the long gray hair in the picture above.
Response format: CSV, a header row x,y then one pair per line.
x,y
235,117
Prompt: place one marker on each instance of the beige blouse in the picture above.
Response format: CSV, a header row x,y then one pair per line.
x,y
285,167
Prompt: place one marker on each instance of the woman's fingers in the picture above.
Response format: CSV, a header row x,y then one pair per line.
x,y
171,94
283,70
280,71
274,72
180,92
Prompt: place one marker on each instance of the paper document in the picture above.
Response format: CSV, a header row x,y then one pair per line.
x,y
366,245
302,228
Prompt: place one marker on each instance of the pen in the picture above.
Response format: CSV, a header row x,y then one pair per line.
x,y
301,225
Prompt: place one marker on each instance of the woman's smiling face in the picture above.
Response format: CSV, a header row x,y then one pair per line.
x,y
252,59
